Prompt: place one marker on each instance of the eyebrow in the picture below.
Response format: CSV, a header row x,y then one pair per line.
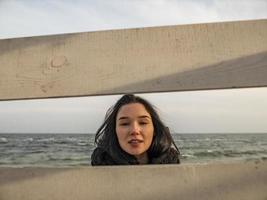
x,y
142,116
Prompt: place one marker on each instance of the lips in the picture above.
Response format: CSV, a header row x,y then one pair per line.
x,y
135,141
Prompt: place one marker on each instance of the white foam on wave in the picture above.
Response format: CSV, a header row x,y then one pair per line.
x,y
3,140
28,140
71,139
82,143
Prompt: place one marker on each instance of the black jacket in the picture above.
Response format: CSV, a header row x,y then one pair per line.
x,y
101,157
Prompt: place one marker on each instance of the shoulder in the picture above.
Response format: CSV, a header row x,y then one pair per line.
x,y
101,157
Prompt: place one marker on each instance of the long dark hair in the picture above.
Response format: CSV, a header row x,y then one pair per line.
x,y
107,141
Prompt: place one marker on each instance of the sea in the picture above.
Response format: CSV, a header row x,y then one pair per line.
x,y
66,150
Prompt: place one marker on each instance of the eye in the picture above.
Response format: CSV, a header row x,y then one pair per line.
x,y
143,123
124,124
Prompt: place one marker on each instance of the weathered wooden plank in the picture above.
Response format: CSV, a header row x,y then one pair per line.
x,y
171,58
230,181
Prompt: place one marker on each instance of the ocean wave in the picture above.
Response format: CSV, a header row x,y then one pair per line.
x,y
82,143
37,151
61,142
228,153
208,154
46,140
245,152
186,156
71,139
3,140
28,140
68,158
68,150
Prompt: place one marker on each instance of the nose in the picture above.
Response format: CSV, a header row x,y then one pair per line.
x,y
135,129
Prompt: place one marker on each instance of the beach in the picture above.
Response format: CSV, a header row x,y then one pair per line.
x,y
236,180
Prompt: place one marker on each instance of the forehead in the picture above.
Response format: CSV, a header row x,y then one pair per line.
x,y
132,110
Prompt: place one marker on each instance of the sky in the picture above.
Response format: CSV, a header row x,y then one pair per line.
x,y
215,111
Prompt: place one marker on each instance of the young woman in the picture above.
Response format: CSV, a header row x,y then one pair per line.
x,y
133,133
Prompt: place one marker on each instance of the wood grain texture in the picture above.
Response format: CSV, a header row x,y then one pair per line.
x,y
246,181
171,58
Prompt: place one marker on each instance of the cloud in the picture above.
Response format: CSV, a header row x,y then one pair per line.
x,y
35,17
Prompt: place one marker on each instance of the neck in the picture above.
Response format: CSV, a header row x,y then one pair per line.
x,y
142,159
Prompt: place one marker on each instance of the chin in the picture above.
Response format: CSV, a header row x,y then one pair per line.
x,y
136,153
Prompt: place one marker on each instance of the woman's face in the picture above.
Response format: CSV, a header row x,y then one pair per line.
x,y
134,129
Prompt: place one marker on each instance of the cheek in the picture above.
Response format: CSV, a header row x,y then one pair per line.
x,y
120,132
150,134
122,137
